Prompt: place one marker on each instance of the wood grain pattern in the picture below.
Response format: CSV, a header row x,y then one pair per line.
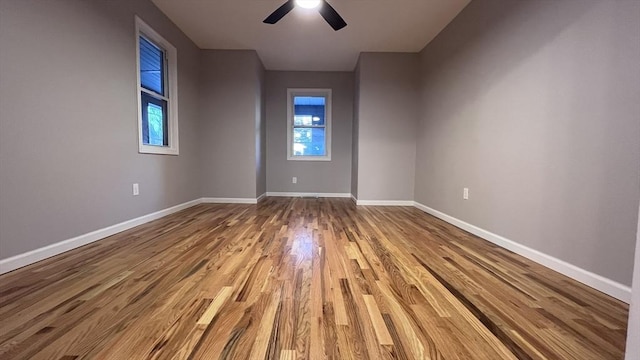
x,y
382,333
295,278
215,306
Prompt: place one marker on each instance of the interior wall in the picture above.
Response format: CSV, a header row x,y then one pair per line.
x,y
633,326
387,121
533,105
355,131
68,121
261,132
313,176
229,124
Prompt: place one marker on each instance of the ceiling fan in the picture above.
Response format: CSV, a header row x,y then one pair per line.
x,y
330,15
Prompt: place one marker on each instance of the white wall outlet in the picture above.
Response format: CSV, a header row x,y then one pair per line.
x,y
465,193
294,180
136,189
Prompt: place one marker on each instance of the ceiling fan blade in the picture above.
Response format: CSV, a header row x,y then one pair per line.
x,y
280,12
331,16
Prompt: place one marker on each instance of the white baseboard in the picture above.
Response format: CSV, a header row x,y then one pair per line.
x,y
607,286
384,202
355,200
28,258
209,200
308,194
264,195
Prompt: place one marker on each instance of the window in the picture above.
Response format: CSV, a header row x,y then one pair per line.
x,y
157,92
309,124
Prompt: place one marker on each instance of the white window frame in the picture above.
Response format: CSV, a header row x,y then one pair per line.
x,y
291,93
171,97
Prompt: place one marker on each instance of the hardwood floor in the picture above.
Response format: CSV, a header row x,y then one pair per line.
x,y
301,279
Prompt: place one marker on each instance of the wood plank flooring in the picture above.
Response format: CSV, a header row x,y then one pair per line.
x,y
301,279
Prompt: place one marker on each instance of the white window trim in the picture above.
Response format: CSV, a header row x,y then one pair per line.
x,y
144,29
290,114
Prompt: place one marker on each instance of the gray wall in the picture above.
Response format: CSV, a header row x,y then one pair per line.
x,y
633,327
229,127
68,121
355,131
534,106
387,121
261,132
313,176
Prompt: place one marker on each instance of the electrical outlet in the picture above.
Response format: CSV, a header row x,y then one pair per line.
x,y
465,193
136,189
294,180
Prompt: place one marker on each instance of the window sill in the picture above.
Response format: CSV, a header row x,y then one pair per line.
x,y
309,158
158,150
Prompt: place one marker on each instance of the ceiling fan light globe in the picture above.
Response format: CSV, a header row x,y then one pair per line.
x,y
308,4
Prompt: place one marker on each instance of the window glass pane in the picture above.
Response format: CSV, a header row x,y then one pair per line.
x,y
302,120
156,124
309,110
154,121
309,142
151,66
309,100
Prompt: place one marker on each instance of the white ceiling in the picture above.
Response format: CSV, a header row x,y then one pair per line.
x,y
302,40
